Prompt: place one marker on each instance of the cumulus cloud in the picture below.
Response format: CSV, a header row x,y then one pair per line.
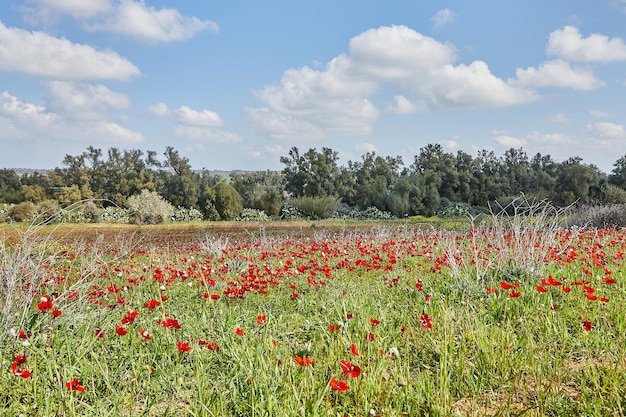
x,y
41,55
568,43
599,114
443,17
312,103
39,123
607,130
509,141
124,17
200,125
135,19
402,106
83,101
558,73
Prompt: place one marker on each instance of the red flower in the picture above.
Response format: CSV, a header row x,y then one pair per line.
x,y
515,294
56,313
74,385
209,345
239,332
17,371
261,320
333,327
183,347
215,296
152,303
586,325
374,322
351,369
120,330
505,285
338,385
170,323
349,316
99,333
303,360
45,304
354,349
491,290
370,337
540,288
426,321
130,317
144,333
20,359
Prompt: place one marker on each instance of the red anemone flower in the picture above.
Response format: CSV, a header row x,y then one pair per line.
x,y
144,333
426,321
540,288
333,327
505,285
45,304
120,330
183,347
351,369
374,322
586,325
261,320
354,349
74,385
303,360
338,385
239,332
152,303
17,371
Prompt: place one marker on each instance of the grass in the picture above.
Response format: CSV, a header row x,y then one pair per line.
x,y
326,293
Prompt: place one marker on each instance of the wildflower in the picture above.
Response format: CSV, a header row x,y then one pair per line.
x,y
303,360
19,372
209,345
491,290
261,320
370,337
426,321
374,322
152,303
239,332
354,349
338,385
515,294
333,327
74,385
130,317
120,330
144,333
183,347
99,333
586,325
540,288
215,296
45,304
351,369
20,359
505,285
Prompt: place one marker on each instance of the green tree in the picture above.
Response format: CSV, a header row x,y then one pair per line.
x,y
228,202
10,185
618,174
313,174
181,186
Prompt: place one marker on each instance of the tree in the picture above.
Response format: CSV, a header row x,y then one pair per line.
x,y
374,179
181,184
618,174
574,180
10,185
228,202
313,174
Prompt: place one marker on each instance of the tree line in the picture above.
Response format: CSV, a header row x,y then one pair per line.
x,y
315,185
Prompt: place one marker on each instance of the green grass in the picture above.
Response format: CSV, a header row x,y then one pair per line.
x,y
486,353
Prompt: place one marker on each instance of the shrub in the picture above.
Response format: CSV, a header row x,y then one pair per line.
x,y
228,202
598,216
22,212
4,213
184,215
149,208
289,212
316,207
113,214
252,215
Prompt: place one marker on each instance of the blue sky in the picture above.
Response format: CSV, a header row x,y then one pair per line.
x,y
234,85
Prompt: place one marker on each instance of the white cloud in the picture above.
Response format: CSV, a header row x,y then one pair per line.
x,y
558,73
450,145
569,44
207,134
560,118
443,17
309,103
607,130
25,115
365,147
403,106
188,116
50,10
113,132
550,140
135,19
41,55
160,110
509,141
599,114
83,101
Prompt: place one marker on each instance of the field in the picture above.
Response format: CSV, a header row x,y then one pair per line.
x,y
365,319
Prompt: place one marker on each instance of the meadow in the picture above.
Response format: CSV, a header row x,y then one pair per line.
x,y
301,319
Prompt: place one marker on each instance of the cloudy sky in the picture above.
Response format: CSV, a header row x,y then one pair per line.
x,y
234,85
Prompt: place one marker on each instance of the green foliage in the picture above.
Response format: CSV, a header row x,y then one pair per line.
x,y
315,208
253,215
289,212
184,214
228,202
114,214
149,208
22,212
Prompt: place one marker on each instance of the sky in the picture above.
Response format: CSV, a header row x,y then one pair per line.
x,y
233,85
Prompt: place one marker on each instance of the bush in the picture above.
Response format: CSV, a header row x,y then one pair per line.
x,y
289,212
316,207
598,216
113,214
185,215
4,213
253,215
149,208
22,212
